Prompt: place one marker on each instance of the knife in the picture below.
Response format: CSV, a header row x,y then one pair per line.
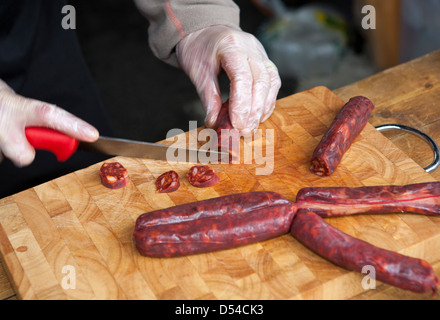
x,y
64,146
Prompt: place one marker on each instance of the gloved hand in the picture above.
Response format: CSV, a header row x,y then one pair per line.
x,y
17,113
254,79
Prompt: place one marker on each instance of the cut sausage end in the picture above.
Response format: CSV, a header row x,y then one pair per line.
x,y
319,168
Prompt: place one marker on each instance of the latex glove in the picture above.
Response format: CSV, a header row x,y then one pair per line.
x,y
254,79
17,113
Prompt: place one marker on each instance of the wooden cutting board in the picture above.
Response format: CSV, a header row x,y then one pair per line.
x,y
71,238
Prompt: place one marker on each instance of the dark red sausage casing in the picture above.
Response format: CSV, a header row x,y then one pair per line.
x,y
228,138
390,267
213,224
346,126
419,198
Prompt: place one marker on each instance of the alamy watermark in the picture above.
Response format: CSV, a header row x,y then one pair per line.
x,y
69,280
369,20
69,18
256,148
369,281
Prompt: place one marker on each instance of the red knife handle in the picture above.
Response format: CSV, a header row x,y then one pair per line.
x,y
60,144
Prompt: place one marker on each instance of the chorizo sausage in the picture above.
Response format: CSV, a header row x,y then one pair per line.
x,y
219,206
228,138
214,233
420,198
346,126
345,251
213,224
113,175
202,176
168,182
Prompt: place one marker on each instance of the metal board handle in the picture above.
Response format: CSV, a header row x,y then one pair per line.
x,y
436,162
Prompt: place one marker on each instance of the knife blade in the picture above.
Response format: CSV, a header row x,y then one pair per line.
x,y
64,146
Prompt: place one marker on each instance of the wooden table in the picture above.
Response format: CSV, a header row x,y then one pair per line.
x,y
406,94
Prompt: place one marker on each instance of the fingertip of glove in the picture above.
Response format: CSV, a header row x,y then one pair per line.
x,y
24,158
19,152
91,133
210,120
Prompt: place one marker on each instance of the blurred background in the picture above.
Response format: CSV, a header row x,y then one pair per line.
x,y
311,42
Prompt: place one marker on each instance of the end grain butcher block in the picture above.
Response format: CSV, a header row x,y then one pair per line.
x,y
71,238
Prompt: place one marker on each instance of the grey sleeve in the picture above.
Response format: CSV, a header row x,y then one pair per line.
x,y
172,20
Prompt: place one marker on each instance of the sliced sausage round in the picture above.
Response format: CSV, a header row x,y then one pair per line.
x,y
202,176
168,182
113,175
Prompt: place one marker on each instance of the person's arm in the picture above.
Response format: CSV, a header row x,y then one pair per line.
x,y
203,37
18,112
171,21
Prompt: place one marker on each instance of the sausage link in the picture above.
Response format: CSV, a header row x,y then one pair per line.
x,y
166,221
220,206
346,126
420,198
217,232
345,251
